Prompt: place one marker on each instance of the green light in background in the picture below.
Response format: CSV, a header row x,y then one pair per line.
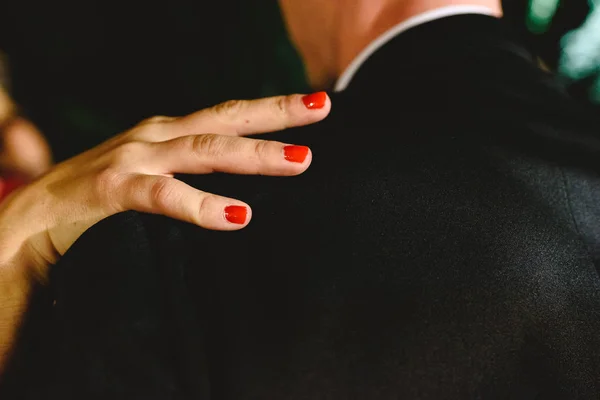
x,y
580,56
540,14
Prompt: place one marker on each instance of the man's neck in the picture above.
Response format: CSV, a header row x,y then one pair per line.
x,y
367,25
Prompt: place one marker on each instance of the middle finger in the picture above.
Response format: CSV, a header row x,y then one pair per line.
x,y
202,154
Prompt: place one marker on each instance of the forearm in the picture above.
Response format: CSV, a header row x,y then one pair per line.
x,y
15,289
18,271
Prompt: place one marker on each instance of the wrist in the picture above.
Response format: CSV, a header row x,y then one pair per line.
x,y
23,233
15,289
21,225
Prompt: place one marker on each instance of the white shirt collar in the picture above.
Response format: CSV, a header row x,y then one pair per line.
x,y
405,25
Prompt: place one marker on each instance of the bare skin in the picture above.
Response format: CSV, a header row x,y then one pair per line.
x,y
330,34
134,171
23,149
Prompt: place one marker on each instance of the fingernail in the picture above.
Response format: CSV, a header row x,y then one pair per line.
x,y
315,101
295,154
236,214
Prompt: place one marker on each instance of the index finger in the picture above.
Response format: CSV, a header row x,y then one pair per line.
x,y
247,117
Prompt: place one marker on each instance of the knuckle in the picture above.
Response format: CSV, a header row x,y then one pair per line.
x,y
282,110
107,185
155,120
163,194
208,145
203,209
127,152
282,106
153,127
230,109
106,180
261,148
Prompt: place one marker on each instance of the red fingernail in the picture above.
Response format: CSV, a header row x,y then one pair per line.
x,y
315,101
236,214
295,154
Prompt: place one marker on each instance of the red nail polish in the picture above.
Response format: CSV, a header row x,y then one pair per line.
x,y
315,101
236,214
295,154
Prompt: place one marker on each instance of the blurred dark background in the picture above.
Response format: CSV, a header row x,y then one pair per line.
x,y
85,70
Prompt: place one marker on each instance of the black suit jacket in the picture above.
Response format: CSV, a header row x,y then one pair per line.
x,y
441,246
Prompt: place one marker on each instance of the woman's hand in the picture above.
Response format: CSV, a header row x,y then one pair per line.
x,y
134,171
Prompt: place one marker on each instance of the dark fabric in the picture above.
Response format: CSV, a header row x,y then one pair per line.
x,y
441,246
